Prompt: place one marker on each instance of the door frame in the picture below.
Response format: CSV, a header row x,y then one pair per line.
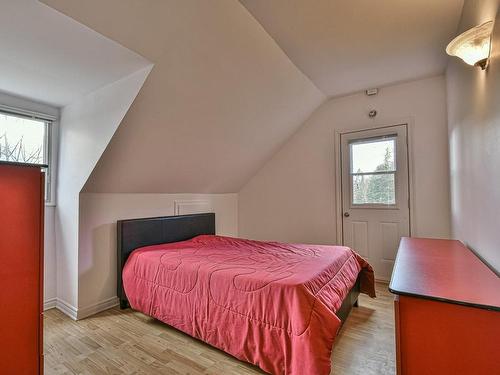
x,y
338,173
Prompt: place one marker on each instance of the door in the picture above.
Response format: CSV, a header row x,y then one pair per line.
x,y
375,194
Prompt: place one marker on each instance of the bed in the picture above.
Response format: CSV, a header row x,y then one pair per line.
x,y
278,306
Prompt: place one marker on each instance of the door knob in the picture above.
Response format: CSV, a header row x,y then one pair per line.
x,y
346,214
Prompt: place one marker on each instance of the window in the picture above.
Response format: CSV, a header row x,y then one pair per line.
x,y
25,139
373,171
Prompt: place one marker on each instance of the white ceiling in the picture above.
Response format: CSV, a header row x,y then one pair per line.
x,y
223,96
345,46
48,57
220,101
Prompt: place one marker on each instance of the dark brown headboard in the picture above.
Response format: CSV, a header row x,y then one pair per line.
x,y
135,233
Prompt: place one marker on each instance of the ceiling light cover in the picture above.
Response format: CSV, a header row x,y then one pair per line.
x,y
473,46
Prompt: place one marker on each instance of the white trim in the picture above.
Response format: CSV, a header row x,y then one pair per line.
x,y
338,187
87,311
28,113
409,122
79,313
67,308
53,161
49,304
411,175
191,206
51,142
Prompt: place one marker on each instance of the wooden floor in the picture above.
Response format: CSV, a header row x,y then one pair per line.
x,y
128,342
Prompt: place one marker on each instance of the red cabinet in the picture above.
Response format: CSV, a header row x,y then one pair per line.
x,y
447,310
21,269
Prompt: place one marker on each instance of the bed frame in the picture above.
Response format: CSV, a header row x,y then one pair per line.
x,y
136,233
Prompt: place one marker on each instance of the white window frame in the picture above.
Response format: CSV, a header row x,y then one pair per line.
x,y
51,123
380,138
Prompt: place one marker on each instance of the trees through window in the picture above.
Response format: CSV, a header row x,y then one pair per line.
x,y
373,171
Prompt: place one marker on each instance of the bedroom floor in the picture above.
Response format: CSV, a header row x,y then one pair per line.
x,y
128,342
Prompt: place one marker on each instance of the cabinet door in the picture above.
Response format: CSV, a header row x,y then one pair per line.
x,y
438,338
20,264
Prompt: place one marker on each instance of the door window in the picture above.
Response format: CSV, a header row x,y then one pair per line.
x,y
373,171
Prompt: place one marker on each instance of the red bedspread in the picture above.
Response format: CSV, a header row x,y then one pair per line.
x,y
267,303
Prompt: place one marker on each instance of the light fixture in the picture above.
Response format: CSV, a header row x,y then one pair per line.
x,y
473,46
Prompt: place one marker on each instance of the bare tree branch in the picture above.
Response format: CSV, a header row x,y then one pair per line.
x,y
18,152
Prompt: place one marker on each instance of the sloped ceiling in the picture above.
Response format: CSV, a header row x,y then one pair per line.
x,y
220,100
345,46
50,58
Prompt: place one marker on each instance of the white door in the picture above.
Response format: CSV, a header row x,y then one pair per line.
x,y
375,197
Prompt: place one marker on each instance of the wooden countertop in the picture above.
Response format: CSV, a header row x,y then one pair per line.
x,y
444,270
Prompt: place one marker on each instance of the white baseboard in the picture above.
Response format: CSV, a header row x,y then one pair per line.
x,y
79,313
67,309
84,312
49,304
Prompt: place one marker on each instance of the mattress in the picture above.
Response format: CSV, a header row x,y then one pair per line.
x,y
267,303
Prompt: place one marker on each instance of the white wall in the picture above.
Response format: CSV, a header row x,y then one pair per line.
x,y
293,197
50,258
474,128
98,216
50,277
222,95
87,125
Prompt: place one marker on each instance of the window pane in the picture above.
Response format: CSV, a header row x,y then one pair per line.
x,y
22,140
373,155
373,189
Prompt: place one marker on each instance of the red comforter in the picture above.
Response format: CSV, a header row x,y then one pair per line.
x,y
267,303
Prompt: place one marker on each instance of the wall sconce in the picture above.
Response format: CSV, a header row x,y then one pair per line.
x,y
473,46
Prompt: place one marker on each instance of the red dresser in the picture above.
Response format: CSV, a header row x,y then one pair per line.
x,y
447,310
21,269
